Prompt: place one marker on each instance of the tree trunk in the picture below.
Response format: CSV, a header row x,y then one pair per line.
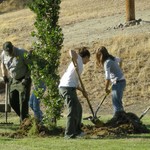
x,y
130,10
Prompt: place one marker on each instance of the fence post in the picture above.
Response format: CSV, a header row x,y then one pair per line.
x,y
130,10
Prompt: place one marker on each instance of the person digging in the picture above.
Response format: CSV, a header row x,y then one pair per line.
x,y
14,66
68,86
114,74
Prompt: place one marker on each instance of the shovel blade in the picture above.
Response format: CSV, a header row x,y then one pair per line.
x,y
97,122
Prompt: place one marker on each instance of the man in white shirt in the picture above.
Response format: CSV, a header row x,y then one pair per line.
x,y
67,88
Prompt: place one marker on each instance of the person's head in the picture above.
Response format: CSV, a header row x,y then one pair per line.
x,y
102,55
85,54
8,48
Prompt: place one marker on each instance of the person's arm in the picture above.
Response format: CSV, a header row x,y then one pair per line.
x,y
4,73
74,57
4,70
107,76
119,61
83,91
107,82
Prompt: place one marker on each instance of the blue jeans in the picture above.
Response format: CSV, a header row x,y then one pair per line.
x,y
34,102
117,94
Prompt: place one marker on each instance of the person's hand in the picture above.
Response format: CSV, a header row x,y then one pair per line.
x,y
5,78
107,91
24,81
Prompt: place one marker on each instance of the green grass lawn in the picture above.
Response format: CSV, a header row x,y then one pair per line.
x,y
130,142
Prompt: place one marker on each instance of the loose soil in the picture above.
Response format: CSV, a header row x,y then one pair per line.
x,y
121,126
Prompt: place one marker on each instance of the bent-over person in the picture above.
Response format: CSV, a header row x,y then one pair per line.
x,y
15,71
114,74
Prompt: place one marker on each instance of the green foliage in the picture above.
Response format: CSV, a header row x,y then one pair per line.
x,y
46,52
34,129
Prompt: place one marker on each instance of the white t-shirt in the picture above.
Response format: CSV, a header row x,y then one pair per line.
x,y
70,77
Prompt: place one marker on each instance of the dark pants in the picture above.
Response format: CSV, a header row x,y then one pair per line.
x,y
19,95
74,117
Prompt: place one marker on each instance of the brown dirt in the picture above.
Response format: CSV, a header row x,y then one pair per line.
x,y
29,127
125,124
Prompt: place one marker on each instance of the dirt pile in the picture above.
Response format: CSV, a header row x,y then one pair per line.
x,y
125,123
121,126
30,127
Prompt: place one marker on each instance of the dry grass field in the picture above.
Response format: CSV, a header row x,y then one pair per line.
x,y
91,23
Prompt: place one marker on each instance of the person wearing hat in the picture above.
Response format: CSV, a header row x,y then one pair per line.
x,y
15,72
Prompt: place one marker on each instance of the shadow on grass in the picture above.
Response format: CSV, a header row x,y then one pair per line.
x,y
10,127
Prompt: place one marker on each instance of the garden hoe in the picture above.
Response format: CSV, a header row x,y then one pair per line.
x,y
93,118
6,105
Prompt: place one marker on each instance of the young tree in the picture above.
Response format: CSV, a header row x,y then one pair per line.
x,y
46,54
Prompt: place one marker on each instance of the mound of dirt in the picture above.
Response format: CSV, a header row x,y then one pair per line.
x,y
125,123
30,127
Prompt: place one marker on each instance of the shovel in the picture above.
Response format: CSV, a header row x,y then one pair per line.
x,y
93,118
100,104
6,105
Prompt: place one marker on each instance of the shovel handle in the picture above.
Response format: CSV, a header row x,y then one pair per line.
x,y
6,100
76,69
101,102
144,113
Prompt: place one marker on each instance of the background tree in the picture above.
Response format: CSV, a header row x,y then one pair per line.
x,y
130,10
46,54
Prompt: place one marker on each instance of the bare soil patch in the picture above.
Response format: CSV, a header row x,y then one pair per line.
x,y
125,124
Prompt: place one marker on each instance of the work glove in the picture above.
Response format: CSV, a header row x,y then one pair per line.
x,y
5,78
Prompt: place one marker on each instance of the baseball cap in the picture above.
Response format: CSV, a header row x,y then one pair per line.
x,y
8,48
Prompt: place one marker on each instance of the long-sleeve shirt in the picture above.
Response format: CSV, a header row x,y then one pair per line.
x,y
113,71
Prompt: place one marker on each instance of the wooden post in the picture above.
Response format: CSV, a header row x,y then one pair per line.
x,y
130,10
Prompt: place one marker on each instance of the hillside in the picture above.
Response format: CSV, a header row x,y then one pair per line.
x,y
91,23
